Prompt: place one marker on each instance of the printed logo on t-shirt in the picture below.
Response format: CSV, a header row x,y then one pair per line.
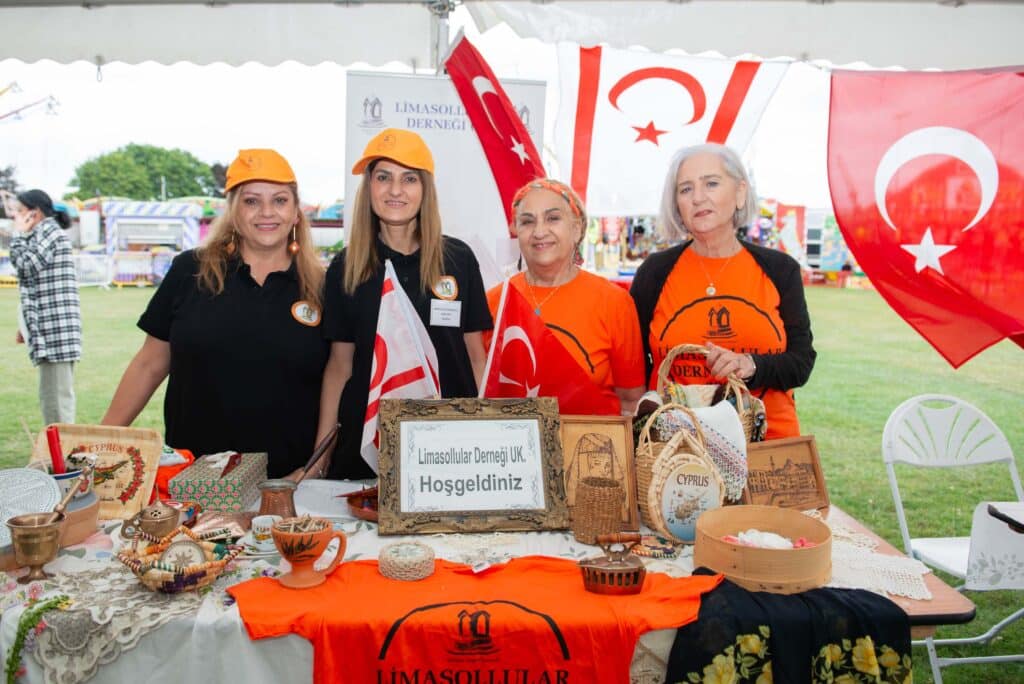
x,y
446,288
719,324
305,313
481,641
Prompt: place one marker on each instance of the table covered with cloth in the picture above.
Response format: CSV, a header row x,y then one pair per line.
x,y
116,630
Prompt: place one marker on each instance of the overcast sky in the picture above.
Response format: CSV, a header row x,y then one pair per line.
x,y
212,111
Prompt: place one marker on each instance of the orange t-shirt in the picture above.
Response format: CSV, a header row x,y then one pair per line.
x,y
742,315
527,621
595,321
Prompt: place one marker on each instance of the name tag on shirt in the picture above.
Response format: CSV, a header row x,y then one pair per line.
x,y
445,314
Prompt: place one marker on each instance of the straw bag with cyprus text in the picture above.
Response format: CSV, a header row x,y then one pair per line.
x,y
734,390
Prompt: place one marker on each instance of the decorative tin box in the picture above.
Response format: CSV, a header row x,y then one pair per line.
x,y
218,484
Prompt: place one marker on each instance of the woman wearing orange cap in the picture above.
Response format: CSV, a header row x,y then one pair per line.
x,y
235,327
594,319
396,217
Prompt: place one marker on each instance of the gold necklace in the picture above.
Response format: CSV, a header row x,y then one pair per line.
x,y
537,306
710,290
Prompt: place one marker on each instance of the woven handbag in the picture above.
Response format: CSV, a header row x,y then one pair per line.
x,y
750,408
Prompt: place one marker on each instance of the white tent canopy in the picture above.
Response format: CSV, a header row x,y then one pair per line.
x,y
951,34
919,34
204,33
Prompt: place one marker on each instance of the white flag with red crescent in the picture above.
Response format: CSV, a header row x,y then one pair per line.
x,y
624,113
404,360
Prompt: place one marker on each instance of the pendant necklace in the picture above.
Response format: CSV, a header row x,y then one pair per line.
x,y
538,305
710,290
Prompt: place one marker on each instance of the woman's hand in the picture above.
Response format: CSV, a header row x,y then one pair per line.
x,y
722,362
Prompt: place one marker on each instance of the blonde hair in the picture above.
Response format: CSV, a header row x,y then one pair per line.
x,y
361,259
214,253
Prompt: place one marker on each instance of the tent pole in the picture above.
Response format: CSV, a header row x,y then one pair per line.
x,y
440,9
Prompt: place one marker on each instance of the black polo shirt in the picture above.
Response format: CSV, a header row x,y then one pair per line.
x,y
353,318
245,372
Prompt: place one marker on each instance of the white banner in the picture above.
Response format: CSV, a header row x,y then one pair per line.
x,y
470,205
623,114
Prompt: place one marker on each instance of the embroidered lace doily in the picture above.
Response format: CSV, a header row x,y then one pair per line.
x,y
112,610
856,565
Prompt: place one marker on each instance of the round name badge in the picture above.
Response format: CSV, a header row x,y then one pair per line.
x,y
446,288
305,313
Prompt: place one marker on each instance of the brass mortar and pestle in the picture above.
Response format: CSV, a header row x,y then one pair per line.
x,y
36,536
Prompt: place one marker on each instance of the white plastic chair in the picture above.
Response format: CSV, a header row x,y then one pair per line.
x,y
940,431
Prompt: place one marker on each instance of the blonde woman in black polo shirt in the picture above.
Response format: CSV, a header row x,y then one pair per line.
x,y
235,327
396,217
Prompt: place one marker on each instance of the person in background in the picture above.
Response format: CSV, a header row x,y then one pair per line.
x,y
593,319
745,303
50,317
395,216
235,327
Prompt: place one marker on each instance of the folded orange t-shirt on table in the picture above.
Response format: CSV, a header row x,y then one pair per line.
x,y
527,621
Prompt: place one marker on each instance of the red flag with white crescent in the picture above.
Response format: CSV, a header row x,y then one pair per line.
x,y
927,178
622,114
527,360
510,151
404,360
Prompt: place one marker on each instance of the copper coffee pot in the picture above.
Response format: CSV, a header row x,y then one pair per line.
x,y
277,498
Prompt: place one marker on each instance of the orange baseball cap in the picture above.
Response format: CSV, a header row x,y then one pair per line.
x,y
400,146
262,165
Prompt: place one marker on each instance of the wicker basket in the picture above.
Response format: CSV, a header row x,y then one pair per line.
x,y
780,571
126,463
747,405
158,576
598,508
658,461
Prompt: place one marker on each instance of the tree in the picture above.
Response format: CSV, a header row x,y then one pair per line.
x,y
8,183
143,172
220,177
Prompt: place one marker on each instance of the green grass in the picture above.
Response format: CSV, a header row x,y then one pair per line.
x,y
868,362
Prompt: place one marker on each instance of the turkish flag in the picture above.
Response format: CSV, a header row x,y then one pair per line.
x,y
404,360
510,151
527,360
624,113
927,178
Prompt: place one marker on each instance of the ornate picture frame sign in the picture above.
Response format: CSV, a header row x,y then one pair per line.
x,y
470,465
787,473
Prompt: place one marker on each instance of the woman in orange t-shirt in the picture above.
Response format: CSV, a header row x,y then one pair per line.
x,y
592,318
744,302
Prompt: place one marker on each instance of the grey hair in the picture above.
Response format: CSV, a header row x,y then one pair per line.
x,y
670,223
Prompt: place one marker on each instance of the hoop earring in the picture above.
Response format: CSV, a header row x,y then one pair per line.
x,y
231,246
293,246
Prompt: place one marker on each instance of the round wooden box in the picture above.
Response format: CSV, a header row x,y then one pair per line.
x,y
780,571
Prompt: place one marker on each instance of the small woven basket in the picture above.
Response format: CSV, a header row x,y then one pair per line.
x,y
598,509
406,561
171,579
747,405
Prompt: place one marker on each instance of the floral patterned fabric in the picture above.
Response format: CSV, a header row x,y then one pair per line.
x,y
838,636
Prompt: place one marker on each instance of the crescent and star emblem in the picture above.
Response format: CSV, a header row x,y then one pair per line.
x,y
688,82
944,140
516,333
483,85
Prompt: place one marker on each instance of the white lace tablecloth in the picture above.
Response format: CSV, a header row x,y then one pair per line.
x,y
117,631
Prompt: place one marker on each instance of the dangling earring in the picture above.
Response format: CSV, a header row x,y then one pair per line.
x,y
293,246
231,246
